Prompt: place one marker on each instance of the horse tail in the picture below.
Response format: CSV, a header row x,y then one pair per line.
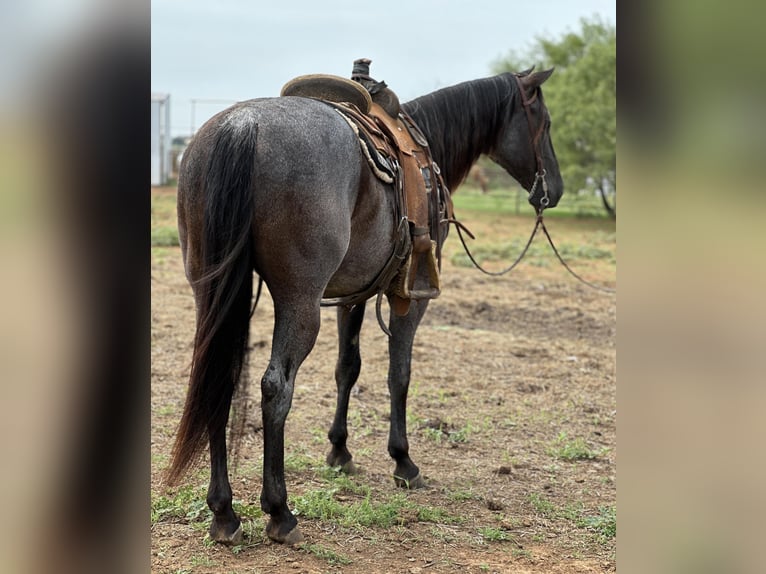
x,y
223,294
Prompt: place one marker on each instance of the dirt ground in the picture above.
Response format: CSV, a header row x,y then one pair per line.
x,y
511,418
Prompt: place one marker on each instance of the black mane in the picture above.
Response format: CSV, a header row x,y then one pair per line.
x,y
461,122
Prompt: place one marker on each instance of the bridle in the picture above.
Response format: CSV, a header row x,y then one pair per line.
x,y
535,137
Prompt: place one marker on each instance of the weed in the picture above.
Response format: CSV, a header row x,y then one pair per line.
x,y
188,505
542,506
461,434
605,524
492,534
443,535
326,554
433,434
247,511
463,495
202,561
299,462
571,450
439,515
322,504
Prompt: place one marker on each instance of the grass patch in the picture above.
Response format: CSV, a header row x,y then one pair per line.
x,y
572,450
187,505
511,199
542,506
164,221
325,553
437,515
299,462
539,253
492,534
443,431
604,524
463,495
165,237
324,504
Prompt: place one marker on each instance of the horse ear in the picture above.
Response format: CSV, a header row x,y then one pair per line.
x,y
539,77
532,81
525,72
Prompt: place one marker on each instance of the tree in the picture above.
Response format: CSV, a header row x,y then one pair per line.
x,y
581,98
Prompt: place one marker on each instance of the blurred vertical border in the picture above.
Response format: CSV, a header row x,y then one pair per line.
x,y
74,372
692,320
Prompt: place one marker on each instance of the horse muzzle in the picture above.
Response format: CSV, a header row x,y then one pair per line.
x,y
543,194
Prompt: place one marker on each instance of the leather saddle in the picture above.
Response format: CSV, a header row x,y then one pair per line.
x,y
398,154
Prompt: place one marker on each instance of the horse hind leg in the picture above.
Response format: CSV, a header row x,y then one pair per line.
x,y
226,527
346,374
295,330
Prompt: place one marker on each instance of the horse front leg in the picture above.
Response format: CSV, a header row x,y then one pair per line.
x,y
295,330
406,474
346,374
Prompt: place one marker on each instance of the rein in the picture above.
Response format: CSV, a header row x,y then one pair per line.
x,y
539,224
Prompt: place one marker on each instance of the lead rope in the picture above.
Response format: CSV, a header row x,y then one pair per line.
x,y
460,228
561,259
539,223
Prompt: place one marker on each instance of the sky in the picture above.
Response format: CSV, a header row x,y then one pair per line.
x,y
231,50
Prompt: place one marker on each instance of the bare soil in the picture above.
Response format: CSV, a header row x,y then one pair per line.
x,y
507,372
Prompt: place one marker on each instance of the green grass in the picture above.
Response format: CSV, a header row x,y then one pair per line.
x,y
322,505
542,506
573,450
539,253
189,505
164,223
165,236
325,553
437,515
492,534
186,505
512,200
351,505
603,524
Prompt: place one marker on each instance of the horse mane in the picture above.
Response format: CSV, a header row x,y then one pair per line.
x,y
462,121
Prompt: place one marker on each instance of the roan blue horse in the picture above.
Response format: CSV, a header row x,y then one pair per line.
x,y
279,187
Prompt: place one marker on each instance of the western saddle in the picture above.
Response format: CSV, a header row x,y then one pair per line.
x,y
398,154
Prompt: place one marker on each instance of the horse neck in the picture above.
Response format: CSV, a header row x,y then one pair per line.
x,y
463,121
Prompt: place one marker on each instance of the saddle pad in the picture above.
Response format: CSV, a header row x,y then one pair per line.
x,y
330,88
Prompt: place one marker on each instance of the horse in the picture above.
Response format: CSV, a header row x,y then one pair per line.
x,y
278,188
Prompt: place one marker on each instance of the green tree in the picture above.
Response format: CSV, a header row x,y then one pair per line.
x,y
581,98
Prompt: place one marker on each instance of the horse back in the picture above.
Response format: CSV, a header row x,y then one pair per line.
x,y
319,216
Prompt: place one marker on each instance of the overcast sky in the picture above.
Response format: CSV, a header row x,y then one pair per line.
x,y
240,49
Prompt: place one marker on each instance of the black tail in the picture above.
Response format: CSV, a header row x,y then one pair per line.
x,y
223,293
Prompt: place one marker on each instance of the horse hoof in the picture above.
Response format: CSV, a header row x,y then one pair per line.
x,y
411,484
233,539
347,467
291,538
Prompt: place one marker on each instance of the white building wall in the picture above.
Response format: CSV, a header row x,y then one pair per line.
x,y
160,139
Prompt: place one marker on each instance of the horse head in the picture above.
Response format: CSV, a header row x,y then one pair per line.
x,y
524,146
